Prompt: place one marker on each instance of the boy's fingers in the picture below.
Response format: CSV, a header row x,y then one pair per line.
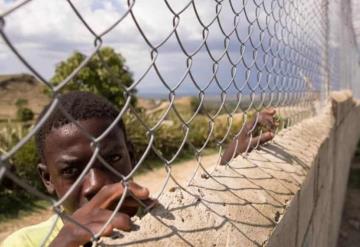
x,y
266,116
111,193
267,119
264,137
268,111
267,136
106,196
121,221
95,221
138,191
132,203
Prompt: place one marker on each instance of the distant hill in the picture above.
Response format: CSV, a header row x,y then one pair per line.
x,y
25,86
20,86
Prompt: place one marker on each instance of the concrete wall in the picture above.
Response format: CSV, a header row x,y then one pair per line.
x,y
314,215
289,193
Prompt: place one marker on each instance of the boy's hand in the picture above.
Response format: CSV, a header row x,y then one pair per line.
x,y
97,211
265,121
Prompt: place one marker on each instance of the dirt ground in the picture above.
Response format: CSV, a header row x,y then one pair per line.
x,y
350,226
153,180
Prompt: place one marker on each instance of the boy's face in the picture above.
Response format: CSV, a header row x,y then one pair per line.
x,y
67,151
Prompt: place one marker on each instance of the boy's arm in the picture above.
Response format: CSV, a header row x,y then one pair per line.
x,y
245,140
94,214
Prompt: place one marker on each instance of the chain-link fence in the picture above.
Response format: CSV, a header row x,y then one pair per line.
x,y
257,54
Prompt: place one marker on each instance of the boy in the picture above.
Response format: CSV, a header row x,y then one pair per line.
x,y
65,151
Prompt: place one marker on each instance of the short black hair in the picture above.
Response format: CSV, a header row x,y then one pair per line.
x,y
81,106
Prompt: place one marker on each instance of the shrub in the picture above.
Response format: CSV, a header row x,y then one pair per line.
x,y
168,139
136,133
194,104
15,199
199,130
168,136
24,114
25,162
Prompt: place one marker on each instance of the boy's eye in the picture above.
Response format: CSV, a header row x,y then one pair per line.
x,y
70,171
113,158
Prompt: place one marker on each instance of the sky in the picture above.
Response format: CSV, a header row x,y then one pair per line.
x,y
46,32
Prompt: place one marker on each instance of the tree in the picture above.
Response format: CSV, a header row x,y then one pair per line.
x,y
102,75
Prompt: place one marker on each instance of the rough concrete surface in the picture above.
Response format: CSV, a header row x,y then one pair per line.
x,y
288,193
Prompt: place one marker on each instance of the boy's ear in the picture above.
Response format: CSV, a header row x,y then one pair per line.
x,y
45,178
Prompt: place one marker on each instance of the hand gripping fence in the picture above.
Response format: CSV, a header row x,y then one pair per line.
x,y
289,56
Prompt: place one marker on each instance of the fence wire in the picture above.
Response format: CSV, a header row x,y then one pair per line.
x,y
288,55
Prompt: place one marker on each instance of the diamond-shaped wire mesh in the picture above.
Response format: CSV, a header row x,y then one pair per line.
x,y
272,53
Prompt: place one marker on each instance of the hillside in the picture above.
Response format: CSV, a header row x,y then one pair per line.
x,y
20,86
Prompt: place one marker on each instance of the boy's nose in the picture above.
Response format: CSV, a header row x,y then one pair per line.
x,y
94,181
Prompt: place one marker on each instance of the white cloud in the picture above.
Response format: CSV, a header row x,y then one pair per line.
x,y
46,32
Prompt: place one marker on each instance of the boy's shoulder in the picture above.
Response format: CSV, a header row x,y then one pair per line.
x,y
34,235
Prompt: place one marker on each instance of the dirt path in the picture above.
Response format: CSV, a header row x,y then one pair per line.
x,y
153,180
